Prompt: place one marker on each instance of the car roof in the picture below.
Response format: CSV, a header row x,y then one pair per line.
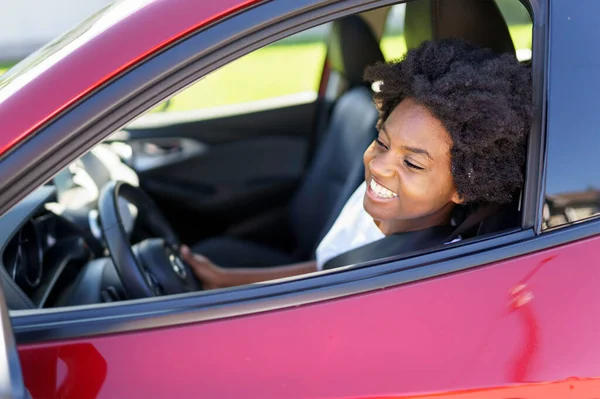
x,y
109,42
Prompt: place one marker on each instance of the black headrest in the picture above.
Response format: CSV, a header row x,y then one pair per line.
x,y
477,21
353,47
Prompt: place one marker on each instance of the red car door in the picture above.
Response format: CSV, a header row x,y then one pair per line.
x,y
511,316
510,329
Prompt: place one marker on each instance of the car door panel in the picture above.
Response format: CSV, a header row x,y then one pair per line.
x,y
493,332
224,170
223,176
524,327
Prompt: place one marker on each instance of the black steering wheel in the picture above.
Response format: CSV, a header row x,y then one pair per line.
x,y
152,267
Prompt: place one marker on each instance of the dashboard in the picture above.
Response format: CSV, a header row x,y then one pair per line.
x,y
52,247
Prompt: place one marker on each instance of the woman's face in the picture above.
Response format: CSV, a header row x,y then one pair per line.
x,y
408,171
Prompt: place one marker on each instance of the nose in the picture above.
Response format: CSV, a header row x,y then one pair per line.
x,y
381,166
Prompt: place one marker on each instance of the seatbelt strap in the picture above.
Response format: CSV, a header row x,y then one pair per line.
x,y
476,217
392,245
412,241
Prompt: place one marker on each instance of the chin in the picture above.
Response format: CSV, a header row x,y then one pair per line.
x,y
380,211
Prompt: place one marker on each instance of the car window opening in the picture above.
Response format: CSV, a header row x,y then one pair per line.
x,y
278,165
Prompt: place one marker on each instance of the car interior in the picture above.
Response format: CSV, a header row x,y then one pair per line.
x,y
244,186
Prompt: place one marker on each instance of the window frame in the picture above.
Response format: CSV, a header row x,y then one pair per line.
x,y
143,87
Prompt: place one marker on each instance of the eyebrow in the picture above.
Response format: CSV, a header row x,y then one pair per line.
x,y
417,151
407,148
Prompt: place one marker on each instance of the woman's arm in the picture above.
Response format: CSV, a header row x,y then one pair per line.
x,y
240,276
214,276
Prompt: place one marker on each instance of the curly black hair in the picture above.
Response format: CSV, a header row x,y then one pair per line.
x,y
483,99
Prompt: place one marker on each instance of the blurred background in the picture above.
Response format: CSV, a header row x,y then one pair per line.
x,y
27,25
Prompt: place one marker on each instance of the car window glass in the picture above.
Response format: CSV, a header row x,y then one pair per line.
x,y
572,191
259,75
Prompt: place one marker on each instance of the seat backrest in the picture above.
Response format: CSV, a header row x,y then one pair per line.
x,y
478,21
351,129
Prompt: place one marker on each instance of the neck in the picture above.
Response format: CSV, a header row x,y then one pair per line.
x,y
395,226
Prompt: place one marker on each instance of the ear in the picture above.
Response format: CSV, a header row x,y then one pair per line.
x,y
457,198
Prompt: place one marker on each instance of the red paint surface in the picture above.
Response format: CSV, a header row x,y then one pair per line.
x,y
93,62
524,328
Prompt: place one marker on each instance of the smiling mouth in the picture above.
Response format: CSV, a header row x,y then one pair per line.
x,y
380,191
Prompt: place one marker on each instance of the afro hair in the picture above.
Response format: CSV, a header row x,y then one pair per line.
x,y
483,99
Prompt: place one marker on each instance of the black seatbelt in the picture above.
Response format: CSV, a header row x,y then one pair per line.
x,y
401,243
476,217
392,245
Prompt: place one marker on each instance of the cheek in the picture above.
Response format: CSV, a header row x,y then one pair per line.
x,y
415,186
425,192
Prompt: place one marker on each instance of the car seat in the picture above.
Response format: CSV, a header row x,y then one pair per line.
x,y
336,168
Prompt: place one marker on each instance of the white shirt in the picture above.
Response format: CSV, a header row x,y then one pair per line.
x,y
353,228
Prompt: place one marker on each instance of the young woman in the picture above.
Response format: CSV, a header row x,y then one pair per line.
x,y
453,124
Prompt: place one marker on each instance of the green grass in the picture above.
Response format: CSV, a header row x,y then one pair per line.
x,y
393,47
278,70
4,67
269,72
521,35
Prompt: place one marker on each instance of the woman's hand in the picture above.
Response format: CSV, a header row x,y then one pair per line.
x,y
211,275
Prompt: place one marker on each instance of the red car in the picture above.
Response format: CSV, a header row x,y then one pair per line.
x,y
98,304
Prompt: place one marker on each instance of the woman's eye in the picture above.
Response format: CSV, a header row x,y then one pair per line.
x,y
379,143
413,166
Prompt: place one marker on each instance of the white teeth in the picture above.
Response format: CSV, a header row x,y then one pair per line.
x,y
381,191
